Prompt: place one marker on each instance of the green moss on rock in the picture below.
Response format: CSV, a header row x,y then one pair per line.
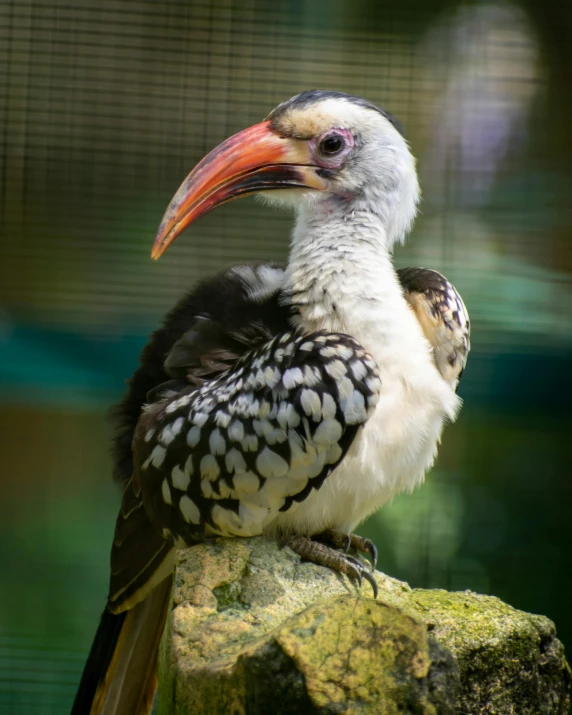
x,y
253,630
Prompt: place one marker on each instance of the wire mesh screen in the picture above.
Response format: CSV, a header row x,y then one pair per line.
x,y
108,105
104,109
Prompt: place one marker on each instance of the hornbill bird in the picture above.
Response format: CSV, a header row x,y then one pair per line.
x,y
291,401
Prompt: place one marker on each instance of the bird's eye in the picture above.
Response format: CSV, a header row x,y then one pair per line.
x,y
331,145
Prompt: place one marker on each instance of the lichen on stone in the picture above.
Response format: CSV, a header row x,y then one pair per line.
x,y
253,630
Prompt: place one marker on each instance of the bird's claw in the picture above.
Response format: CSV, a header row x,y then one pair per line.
x,y
372,582
355,574
323,555
365,546
341,540
372,551
362,573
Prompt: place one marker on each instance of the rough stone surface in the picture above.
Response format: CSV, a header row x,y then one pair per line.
x,y
254,631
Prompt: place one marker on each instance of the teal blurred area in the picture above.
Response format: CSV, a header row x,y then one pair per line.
x,y
105,107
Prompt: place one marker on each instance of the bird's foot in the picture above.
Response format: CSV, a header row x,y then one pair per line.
x,y
347,542
323,555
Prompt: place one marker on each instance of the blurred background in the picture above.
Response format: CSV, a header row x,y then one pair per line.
x,y
105,107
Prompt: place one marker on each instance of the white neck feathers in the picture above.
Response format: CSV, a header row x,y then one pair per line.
x,y
340,277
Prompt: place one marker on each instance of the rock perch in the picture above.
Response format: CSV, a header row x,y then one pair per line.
x,y
253,630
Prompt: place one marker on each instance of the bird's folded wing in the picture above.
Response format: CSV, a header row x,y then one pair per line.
x,y
227,457
443,317
140,557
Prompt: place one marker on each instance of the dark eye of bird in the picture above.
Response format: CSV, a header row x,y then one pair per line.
x,y
331,145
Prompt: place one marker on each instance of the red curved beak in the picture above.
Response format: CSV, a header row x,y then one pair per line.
x,y
253,160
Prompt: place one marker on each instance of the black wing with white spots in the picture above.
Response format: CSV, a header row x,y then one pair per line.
x,y
226,458
202,337
443,318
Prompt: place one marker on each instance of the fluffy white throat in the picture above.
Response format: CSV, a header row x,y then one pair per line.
x,y
341,278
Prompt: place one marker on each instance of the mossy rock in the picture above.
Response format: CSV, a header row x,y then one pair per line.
x,y
254,631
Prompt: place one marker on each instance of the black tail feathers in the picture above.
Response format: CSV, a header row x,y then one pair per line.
x,y
98,661
120,676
